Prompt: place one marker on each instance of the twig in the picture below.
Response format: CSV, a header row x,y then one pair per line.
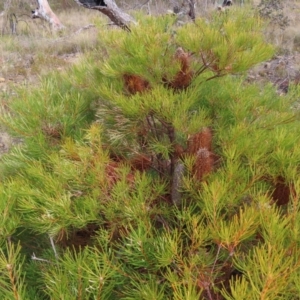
x,y
209,293
140,6
53,247
217,256
112,11
33,257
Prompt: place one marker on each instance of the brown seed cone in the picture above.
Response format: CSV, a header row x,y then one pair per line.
x,y
200,140
182,80
184,58
184,77
135,84
199,145
204,163
178,151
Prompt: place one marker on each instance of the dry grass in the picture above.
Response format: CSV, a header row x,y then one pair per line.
x,y
287,39
291,37
35,50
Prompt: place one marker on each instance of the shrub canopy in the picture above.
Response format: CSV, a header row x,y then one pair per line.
x,y
153,170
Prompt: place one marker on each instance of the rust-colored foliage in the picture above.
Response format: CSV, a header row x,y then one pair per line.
x,y
53,131
178,151
200,146
113,174
184,77
282,191
140,162
135,84
204,163
202,139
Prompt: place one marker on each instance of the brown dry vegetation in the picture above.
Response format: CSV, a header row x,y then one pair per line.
x,y
287,39
35,50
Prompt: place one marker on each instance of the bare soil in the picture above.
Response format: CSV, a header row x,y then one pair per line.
x,y
282,70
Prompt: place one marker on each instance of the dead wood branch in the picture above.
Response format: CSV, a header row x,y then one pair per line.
x,y
111,10
45,12
184,7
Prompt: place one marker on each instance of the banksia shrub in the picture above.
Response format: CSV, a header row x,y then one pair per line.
x,y
154,172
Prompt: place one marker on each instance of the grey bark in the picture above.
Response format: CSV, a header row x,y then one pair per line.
x,y
192,13
111,10
184,7
177,183
45,12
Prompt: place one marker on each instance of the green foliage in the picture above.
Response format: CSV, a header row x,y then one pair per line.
x,y
97,172
12,278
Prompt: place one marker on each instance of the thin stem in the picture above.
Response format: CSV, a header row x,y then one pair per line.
x,y
13,281
33,257
79,284
215,76
217,256
11,270
201,70
171,134
53,247
209,294
154,126
230,255
153,129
